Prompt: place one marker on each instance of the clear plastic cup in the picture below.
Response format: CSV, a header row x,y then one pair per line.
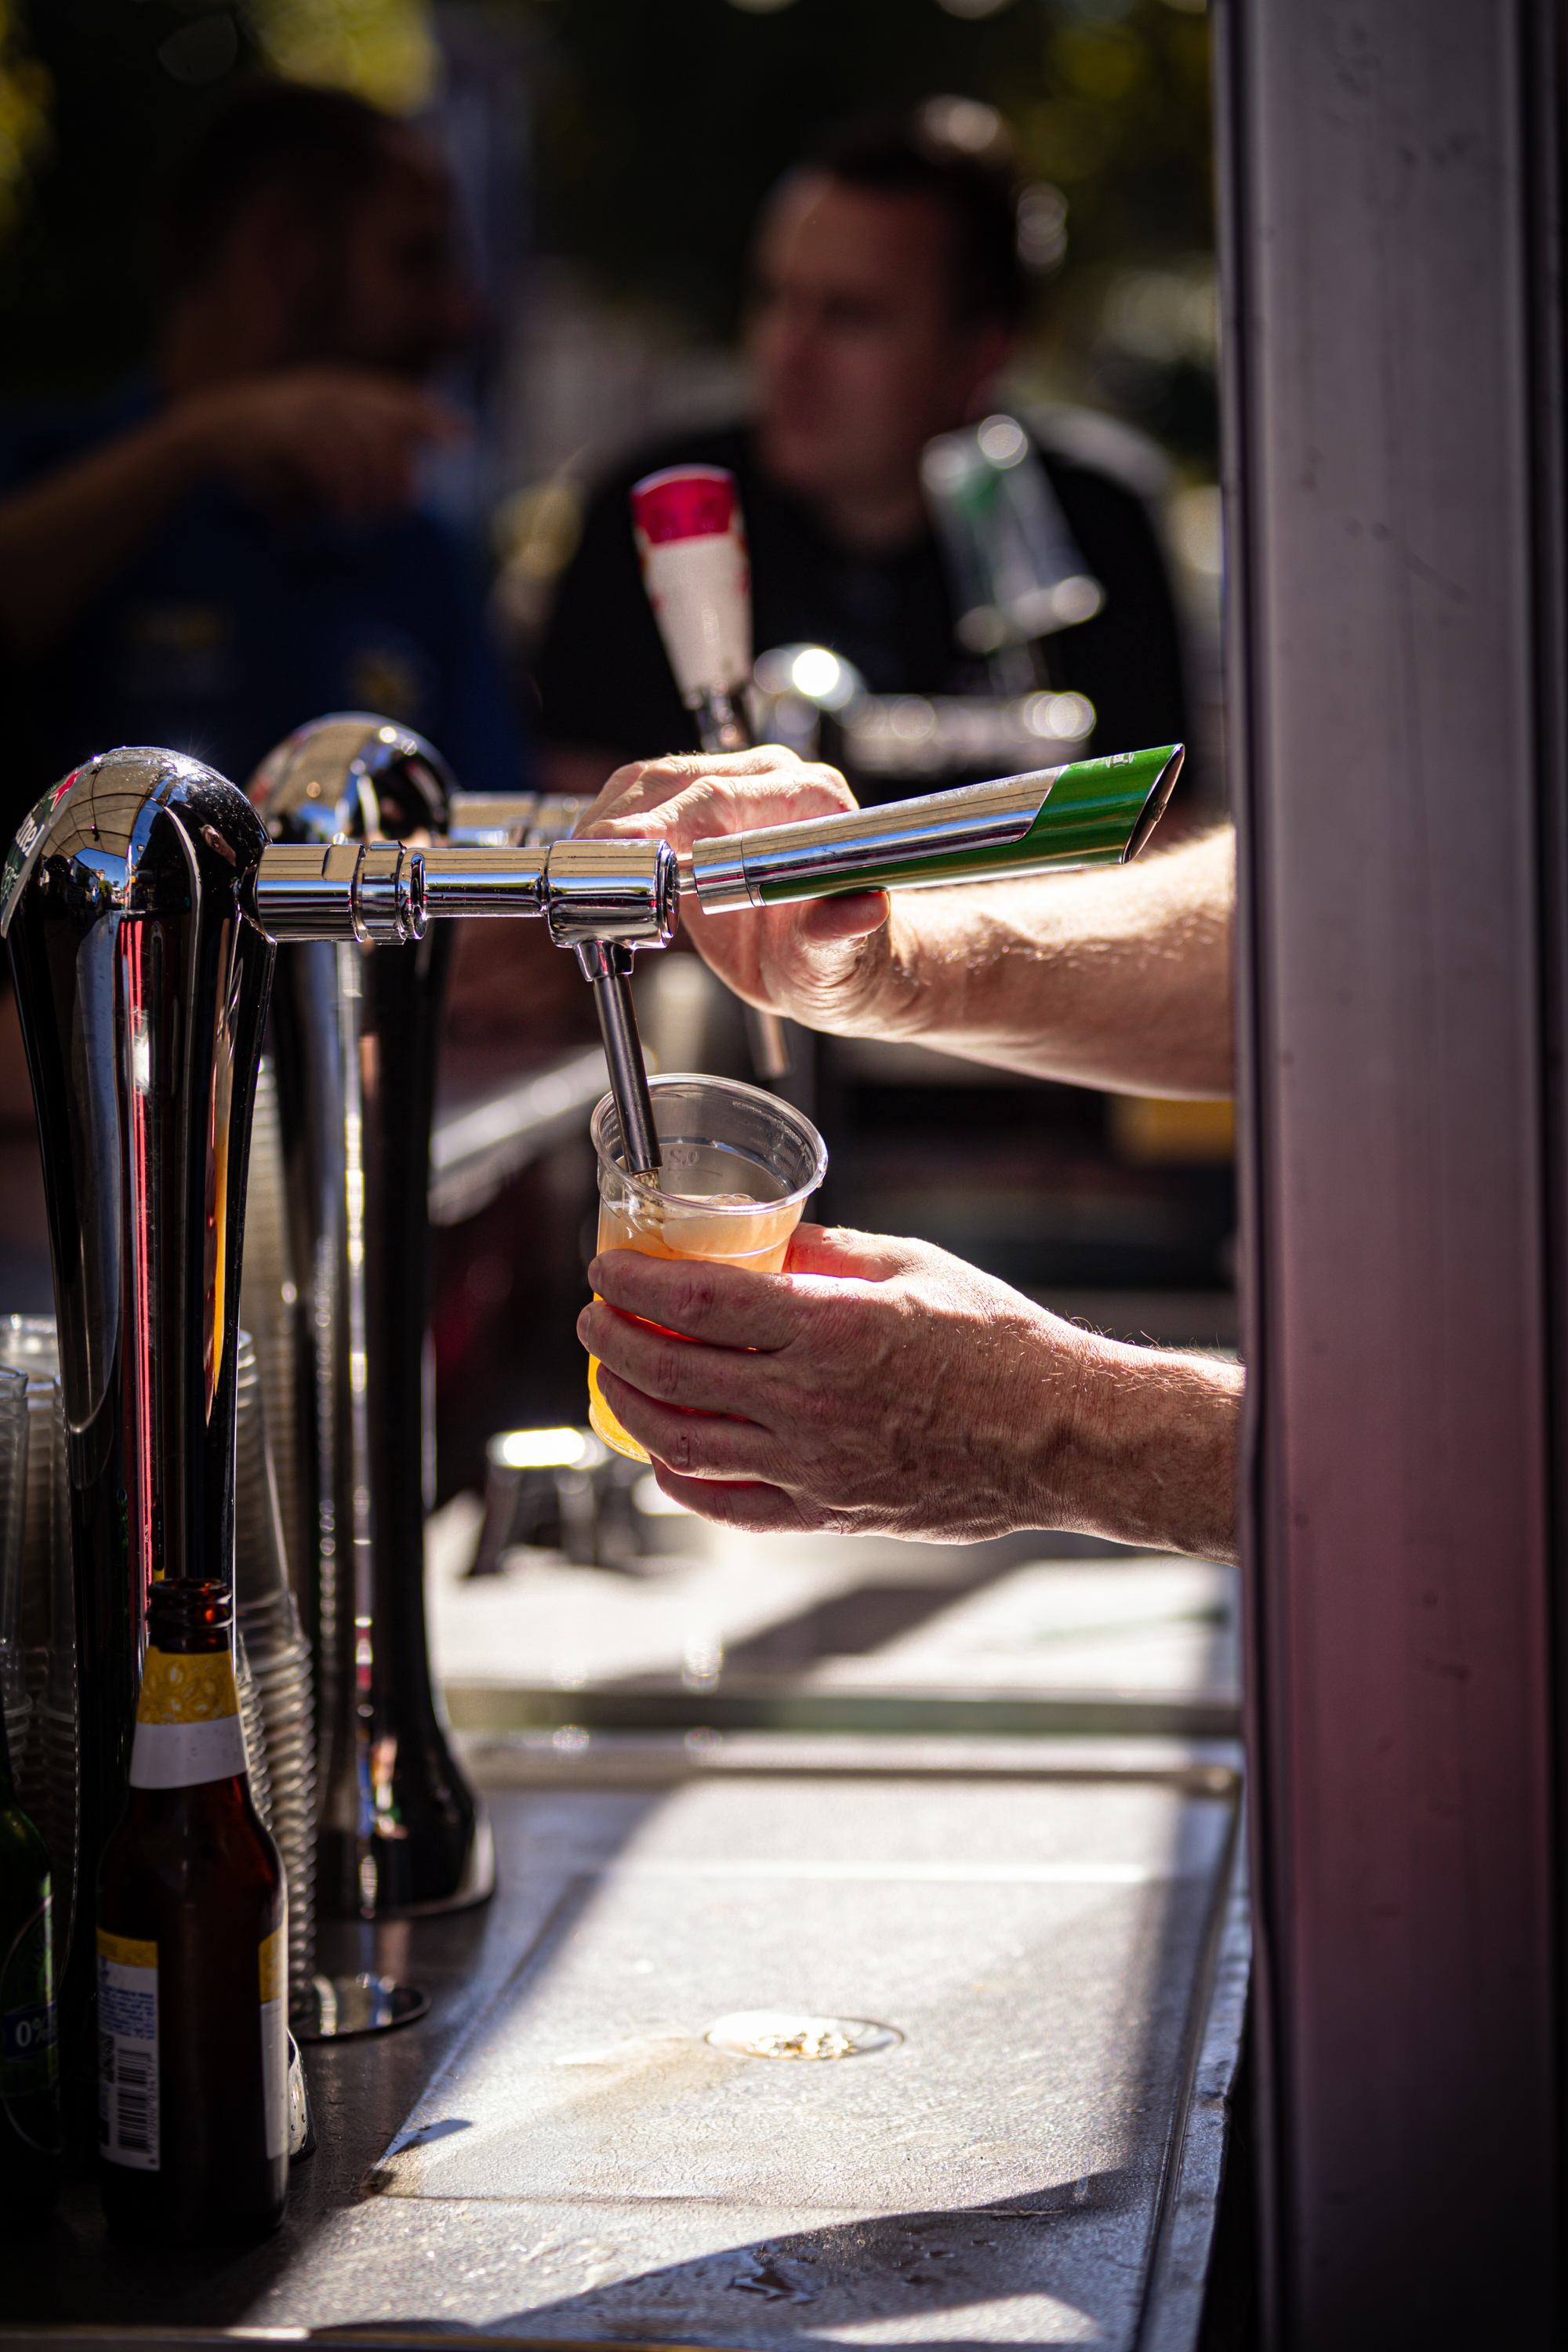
x,y
739,1166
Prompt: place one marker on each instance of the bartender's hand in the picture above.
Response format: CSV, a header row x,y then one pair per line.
x,y
823,963
883,1387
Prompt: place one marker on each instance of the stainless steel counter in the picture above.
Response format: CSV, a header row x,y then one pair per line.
x,y
557,2152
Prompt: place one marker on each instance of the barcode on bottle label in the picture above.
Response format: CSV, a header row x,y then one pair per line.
x,y
128,2051
274,1968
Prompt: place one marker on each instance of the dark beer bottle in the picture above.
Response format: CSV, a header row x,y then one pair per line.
x,y
191,1954
29,2054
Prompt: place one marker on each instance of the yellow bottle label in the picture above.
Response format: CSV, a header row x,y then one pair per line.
x,y
187,1722
187,1690
126,1951
272,1964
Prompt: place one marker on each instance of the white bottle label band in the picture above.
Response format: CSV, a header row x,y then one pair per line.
x,y
187,1721
182,1755
128,2051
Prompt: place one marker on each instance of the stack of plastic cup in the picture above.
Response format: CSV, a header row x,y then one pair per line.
x,y
13,1509
47,1768
277,1662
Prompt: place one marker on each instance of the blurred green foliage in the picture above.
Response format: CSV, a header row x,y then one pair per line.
x,y
662,127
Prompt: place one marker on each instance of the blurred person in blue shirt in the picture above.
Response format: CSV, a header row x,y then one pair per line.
x,y
219,552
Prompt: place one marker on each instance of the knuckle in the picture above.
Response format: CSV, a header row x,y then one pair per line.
x,y
829,779
695,1293
666,1375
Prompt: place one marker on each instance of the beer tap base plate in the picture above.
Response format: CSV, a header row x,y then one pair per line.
x,y
336,2009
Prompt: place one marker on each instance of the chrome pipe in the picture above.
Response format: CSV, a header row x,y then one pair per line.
x,y
383,894
522,820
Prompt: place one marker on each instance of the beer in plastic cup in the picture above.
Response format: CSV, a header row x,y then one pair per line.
x,y
738,1166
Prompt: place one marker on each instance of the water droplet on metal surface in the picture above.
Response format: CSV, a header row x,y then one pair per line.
x,y
782,2033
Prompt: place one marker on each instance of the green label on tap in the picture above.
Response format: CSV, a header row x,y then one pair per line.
x,y
1093,810
1089,817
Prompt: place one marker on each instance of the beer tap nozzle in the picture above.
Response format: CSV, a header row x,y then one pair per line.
x,y
602,898
609,967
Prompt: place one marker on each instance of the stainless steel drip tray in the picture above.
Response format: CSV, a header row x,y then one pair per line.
x,y
1015,1973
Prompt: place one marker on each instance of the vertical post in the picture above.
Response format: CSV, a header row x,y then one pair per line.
x,y
1395,444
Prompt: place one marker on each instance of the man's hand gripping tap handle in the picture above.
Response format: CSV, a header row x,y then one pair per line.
x,y
605,899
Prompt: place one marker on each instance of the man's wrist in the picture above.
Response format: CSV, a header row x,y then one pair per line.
x,y
1147,1451
885,996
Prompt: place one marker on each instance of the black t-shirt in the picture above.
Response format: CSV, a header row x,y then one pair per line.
x,y
603,680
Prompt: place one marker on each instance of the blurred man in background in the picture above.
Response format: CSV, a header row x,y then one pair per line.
x,y
233,545
218,552
888,293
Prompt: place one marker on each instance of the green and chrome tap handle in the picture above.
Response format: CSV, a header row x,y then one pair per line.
x,y
1090,812
606,897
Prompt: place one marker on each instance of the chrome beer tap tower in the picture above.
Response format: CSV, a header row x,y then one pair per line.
x,y
142,901
142,986
354,1033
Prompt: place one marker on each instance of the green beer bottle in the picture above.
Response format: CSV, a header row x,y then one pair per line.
x,y
191,1954
29,2054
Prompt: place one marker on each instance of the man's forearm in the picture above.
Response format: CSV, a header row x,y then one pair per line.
x,y
62,538
1119,978
1152,1454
